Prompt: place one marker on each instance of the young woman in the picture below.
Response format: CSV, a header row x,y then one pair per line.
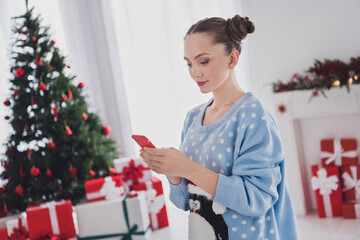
x,y
229,170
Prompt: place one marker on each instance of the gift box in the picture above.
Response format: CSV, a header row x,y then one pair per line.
x,y
132,171
155,202
326,184
51,218
119,218
4,220
4,234
351,182
104,188
17,228
351,209
339,152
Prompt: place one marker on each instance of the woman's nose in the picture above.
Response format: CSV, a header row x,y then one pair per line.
x,y
196,73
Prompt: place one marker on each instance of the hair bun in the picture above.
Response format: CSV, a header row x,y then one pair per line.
x,y
238,27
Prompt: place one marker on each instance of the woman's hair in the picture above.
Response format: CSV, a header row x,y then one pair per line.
x,y
229,32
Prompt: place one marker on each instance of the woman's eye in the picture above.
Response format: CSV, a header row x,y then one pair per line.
x,y
205,62
188,65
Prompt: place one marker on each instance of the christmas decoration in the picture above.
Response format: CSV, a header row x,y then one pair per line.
x,y
47,150
323,76
132,171
104,188
282,108
105,130
351,209
351,182
17,229
81,85
339,152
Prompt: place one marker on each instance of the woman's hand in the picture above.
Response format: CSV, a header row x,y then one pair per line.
x,y
168,161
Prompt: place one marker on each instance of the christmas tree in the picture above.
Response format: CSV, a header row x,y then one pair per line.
x,y
55,144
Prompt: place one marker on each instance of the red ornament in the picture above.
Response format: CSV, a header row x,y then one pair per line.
x,y
112,171
19,190
84,116
51,145
81,85
70,94
7,117
53,42
48,173
33,39
72,171
34,171
29,152
68,131
19,72
51,69
92,174
26,127
16,92
68,67
282,108
22,32
7,102
105,130
42,86
55,112
63,97
2,189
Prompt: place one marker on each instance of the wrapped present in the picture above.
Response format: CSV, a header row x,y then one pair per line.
x,y
325,183
104,188
51,219
339,152
132,171
156,202
351,182
17,229
351,209
4,220
4,234
119,218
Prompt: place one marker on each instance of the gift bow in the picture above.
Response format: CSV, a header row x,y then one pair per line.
x,y
19,233
352,182
155,204
49,236
133,172
109,189
324,183
337,154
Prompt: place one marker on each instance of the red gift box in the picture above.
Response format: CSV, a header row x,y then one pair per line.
x,y
3,234
351,182
339,152
52,218
325,183
104,188
351,209
156,202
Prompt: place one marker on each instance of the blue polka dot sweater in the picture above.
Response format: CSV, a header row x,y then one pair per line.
x,y
244,147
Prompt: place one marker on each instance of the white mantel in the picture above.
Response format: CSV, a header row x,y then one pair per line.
x,y
338,105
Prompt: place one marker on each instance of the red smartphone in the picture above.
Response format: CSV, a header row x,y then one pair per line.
x,y
143,141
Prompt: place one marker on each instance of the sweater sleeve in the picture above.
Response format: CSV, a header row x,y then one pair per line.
x,y
252,188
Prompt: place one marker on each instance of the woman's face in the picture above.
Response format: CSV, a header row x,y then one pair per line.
x,y
208,63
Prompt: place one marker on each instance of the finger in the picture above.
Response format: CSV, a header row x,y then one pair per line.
x,y
154,151
150,157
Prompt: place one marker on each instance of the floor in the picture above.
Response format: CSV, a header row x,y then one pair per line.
x,y
310,227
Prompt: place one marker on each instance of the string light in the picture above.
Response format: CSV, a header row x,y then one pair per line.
x,y
336,83
350,81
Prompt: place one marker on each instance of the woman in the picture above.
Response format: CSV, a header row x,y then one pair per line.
x,y
229,171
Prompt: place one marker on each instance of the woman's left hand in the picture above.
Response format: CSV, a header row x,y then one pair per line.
x,y
168,161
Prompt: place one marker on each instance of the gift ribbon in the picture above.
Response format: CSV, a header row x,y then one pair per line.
x,y
53,216
108,190
133,172
352,182
326,186
125,236
155,204
337,154
19,233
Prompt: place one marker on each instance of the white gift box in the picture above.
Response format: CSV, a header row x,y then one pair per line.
x,y
107,219
4,220
14,223
131,168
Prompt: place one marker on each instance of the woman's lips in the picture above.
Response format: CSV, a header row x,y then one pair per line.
x,y
201,83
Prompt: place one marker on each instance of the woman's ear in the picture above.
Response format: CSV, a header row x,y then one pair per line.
x,y
234,58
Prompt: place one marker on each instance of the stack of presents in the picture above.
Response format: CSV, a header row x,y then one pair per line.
x,y
336,181
127,205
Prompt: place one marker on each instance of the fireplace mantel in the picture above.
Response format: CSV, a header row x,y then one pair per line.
x,y
298,106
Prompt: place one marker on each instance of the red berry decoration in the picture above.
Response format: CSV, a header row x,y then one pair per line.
x,y
33,39
53,42
22,173
6,102
22,32
29,152
92,174
84,116
7,117
51,69
63,97
16,92
51,145
34,171
55,112
282,108
70,94
72,171
105,130
19,72
26,127
81,85
48,173
112,171
68,67
19,190
68,131
42,86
